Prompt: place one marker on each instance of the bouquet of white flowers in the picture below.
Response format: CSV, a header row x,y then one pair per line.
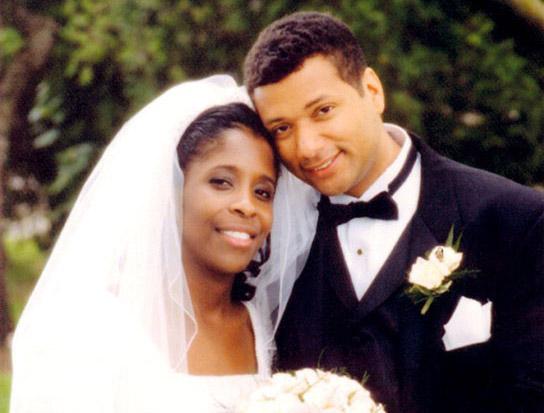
x,y
310,391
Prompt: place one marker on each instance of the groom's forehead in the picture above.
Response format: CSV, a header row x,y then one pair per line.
x,y
315,80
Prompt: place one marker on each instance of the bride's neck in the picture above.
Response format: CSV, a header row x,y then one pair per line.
x,y
224,343
210,293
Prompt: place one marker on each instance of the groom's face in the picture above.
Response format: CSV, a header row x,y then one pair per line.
x,y
328,133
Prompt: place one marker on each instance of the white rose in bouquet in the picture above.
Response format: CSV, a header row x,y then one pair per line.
x,y
310,391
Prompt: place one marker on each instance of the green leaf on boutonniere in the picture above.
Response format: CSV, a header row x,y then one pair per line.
x,y
450,242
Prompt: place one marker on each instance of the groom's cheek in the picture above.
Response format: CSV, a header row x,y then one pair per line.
x,y
287,151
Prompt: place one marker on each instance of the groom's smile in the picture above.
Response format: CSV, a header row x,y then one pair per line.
x,y
328,132
323,168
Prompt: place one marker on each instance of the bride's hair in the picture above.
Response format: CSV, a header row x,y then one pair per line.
x,y
201,135
207,128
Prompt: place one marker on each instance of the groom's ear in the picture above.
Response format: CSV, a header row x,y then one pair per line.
x,y
371,84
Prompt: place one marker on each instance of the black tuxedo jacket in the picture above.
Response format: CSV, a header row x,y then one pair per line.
x,y
385,340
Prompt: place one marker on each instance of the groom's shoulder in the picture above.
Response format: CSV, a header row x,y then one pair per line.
x,y
477,189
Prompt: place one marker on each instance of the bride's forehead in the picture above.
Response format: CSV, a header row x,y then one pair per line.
x,y
236,151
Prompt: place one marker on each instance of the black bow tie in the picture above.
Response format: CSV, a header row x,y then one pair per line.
x,y
382,206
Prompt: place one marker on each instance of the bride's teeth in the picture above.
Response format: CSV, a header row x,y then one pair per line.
x,y
236,234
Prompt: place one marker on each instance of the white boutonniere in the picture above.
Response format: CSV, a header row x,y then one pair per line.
x,y
432,276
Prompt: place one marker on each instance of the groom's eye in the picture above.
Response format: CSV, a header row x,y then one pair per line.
x,y
280,131
324,110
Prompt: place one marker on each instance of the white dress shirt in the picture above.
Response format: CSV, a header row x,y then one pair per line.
x,y
366,242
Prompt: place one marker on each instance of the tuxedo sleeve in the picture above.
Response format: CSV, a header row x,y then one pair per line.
x,y
520,333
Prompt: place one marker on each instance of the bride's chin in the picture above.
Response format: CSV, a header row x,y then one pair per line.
x,y
234,264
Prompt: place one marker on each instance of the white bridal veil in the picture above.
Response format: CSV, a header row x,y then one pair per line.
x,y
109,323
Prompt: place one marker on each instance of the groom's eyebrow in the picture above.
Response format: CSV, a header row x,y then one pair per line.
x,y
272,121
306,106
314,101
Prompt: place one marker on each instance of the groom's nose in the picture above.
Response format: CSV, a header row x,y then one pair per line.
x,y
308,143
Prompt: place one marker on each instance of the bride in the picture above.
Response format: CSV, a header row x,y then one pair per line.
x,y
163,292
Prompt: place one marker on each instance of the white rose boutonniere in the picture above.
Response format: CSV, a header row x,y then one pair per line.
x,y
432,276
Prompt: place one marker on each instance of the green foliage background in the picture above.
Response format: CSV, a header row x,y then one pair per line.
x,y
470,86
466,77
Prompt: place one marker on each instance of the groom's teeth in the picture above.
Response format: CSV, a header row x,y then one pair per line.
x,y
236,234
325,165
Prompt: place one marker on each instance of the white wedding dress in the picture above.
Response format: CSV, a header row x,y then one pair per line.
x,y
109,323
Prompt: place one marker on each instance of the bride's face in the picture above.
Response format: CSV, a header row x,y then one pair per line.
x,y
227,203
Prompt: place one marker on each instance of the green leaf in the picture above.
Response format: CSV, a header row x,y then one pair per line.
x,y
11,42
449,240
46,139
457,243
86,75
72,163
427,305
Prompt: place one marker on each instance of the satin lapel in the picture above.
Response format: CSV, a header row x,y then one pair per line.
x,y
436,213
437,205
334,264
415,241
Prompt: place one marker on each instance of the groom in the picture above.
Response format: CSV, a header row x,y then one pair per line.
x,y
311,86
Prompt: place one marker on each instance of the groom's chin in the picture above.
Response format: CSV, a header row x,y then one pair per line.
x,y
328,187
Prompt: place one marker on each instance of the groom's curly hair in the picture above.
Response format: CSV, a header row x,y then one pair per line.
x,y
282,48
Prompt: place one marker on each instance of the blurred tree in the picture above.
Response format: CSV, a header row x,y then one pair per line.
x,y
452,74
458,79
27,39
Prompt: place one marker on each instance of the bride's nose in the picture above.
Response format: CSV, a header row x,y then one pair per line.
x,y
243,204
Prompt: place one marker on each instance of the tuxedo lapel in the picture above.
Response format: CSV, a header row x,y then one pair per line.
x,y
331,249
437,206
435,215
414,241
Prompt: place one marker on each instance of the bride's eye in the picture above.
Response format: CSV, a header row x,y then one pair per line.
x,y
265,194
220,183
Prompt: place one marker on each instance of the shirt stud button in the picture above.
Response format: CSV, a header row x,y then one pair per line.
x,y
359,251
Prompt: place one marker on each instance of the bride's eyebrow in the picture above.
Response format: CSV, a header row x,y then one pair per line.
x,y
228,167
234,169
269,179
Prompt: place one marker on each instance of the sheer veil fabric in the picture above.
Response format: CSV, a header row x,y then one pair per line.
x,y
109,323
